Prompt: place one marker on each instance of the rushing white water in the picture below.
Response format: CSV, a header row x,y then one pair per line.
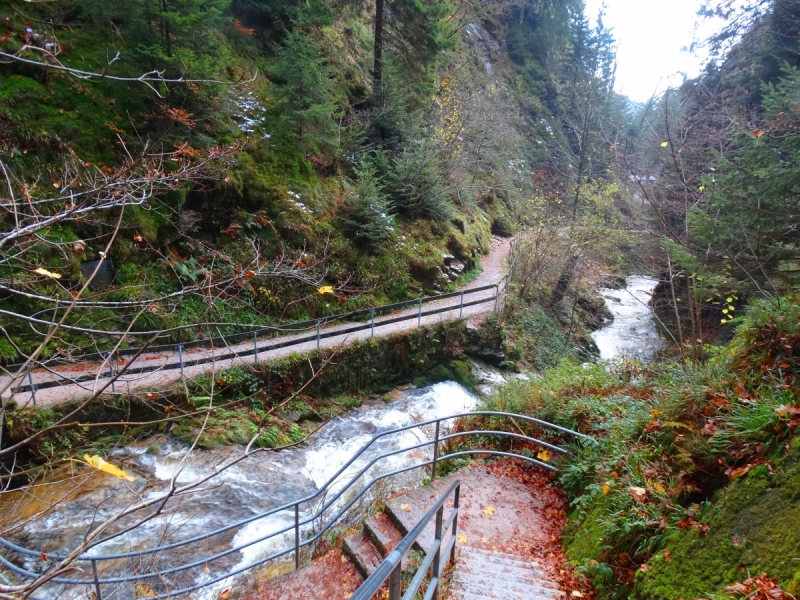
x,y
633,333
264,481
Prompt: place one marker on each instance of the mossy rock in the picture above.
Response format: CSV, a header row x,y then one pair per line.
x,y
462,374
753,528
456,370
435,375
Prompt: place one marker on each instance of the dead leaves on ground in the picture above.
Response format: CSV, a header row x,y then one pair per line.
x,y
759,588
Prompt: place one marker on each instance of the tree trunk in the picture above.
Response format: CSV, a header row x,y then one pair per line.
x,y
564,280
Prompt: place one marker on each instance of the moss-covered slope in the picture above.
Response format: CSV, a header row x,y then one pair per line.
x,y
753,528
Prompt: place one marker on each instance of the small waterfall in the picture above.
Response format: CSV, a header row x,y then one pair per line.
x,y
633,333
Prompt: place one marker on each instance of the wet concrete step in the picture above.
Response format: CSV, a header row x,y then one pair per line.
x,y
383,533
407,510
362,552
483,574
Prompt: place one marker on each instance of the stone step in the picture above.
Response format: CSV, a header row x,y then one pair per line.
x,y
507,572
383,533
506,590
507,561
407,510
483,574
362,552
495,595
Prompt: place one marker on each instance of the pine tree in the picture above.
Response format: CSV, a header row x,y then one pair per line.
x,y
368,222
305,87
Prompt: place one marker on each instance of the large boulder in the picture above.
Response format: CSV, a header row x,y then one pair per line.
x,y
484,346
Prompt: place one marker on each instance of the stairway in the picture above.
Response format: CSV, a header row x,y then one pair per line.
x,y
367,548
485,575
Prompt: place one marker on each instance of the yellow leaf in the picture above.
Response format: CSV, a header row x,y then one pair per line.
x,y
701,188
488,511
47,273
664,144
543,455
605,489
462,538
144,591
659,488
106,467
325,289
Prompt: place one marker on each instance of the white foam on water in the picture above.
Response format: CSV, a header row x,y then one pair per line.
x,y
269,480
633,332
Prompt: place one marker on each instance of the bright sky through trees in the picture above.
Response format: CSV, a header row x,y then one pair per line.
x,y
652,36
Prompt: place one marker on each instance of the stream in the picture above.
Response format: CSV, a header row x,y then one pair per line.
x,y
632,333
55,516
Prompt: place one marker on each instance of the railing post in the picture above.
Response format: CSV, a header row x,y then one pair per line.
x,y
108,356
317,335
255,346
395,582
419,314
180,357
296,536
496,295
435,451
437,558
96,581
33,387
461,307
372,316
457,495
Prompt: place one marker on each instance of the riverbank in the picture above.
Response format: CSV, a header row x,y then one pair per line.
x,y
695,478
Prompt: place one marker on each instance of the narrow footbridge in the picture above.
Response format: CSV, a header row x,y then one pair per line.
x,y
128,370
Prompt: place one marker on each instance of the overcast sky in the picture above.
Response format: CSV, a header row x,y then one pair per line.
x,y
651,35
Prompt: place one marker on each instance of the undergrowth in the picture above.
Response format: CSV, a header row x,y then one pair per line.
x,y
669,437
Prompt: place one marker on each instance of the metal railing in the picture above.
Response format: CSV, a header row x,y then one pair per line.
x,y
302,523
392,567
110,367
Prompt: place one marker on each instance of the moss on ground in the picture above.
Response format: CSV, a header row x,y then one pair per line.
x,y
753,528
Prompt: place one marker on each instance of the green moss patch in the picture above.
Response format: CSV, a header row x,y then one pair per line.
x,y
754,527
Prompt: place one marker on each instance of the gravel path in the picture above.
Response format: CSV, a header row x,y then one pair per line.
x,y
168,365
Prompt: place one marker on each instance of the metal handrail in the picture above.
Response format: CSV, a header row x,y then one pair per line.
x,y
437,438
392,568
225,341
295,507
